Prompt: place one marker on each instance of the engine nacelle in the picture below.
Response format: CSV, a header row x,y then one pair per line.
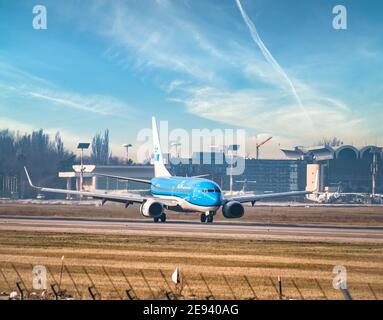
x,y
233,209
152,209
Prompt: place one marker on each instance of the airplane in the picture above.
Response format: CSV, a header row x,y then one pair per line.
x,y
328,197
174,193
323,197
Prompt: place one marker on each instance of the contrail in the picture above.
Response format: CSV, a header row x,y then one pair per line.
x,y
268,56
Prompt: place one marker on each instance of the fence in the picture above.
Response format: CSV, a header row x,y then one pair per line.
x,y
81,282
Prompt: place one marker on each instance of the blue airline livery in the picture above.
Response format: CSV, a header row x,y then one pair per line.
x,y
178,194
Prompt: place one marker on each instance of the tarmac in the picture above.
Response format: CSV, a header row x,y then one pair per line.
x,y
184,228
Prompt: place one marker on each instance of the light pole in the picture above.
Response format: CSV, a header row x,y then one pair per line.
x,y
232,148
374,168
176,144
82,146
127,146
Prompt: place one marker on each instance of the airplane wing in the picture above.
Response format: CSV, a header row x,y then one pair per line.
x,y
257,197
201,175
124,178
104,196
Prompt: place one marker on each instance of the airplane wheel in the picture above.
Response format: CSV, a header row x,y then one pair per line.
x,y
156,219
163,217
203,217
210,219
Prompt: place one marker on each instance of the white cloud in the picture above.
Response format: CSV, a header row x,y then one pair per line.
x,y
144,38
277,115
9,123
103,105
218,74
18,87
16,83
171,41
16,75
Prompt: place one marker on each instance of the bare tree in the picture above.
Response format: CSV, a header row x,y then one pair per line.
x,y
43,157
332,142
100,148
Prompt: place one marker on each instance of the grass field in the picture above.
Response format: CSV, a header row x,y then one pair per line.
x,y
363,216
301,265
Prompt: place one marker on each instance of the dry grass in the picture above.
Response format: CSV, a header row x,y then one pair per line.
x,y
261,261
364,216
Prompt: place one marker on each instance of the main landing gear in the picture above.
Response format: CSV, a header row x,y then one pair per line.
x,y
207,217
161,218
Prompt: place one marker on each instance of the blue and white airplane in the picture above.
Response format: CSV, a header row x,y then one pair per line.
x,y
178,194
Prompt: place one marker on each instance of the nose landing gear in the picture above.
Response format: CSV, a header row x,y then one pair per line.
x,y
207,217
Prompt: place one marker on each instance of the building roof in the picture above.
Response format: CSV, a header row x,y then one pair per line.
x,y
326,152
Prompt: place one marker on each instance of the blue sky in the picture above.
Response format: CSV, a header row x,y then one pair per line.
x,y
113,64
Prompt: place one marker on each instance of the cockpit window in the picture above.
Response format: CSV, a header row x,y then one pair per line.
x,y
210,190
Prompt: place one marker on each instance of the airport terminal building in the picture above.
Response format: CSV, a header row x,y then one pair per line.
x,y
346,168
350,168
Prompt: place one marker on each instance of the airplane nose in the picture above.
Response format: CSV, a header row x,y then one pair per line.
x,y
215,199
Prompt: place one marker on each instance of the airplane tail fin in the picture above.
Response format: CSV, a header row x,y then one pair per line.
x,y
159,166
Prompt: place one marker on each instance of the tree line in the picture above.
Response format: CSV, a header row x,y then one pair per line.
x,y
44,157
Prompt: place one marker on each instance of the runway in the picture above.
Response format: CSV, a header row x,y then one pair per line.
x,y
224,230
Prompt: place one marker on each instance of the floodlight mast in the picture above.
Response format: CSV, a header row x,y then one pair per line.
x,y
82,146
176,145
127,146
374,168
232,147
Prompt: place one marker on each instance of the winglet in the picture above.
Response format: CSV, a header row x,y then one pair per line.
x,y
29,178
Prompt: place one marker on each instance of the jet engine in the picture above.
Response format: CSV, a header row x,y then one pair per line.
x,y
233,209
152,209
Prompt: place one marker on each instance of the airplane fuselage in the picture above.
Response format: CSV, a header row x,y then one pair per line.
x,y
192,194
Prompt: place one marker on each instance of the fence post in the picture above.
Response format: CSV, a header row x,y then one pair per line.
x,y
21,290
280,288
321,289
210,296
192,294
296,287
170,294
20,281
129,292
55,292
6,280
74,283
251,288
147,283
231,289
113,285
55,284
95,294
273,284
372,291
